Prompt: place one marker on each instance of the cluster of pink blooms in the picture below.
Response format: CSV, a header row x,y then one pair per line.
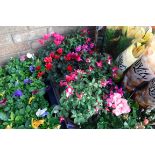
x,y
104,83
58,38
45,38
118,104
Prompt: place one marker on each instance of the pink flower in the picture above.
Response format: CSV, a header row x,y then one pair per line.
x,y
22,58
78,58
79,96
114,69
41,41
88,40
109,59
85,47
57,42
46,36
104,83
99,64
69,91
78,48
88,60
61,119
122,107
91,68
91,45
118,104
62,83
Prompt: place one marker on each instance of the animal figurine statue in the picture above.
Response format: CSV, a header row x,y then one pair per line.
x,y
142,70
146,96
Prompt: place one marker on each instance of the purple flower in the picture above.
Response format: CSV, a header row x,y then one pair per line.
x,y
18,93
78,48
92,45
26,81
32,68
85,47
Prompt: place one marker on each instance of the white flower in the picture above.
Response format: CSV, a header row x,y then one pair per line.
x,y
40,112
29,55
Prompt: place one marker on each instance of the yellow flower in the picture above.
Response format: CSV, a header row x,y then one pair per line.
x,y
57,127
36,123
138,32
30,99
9,127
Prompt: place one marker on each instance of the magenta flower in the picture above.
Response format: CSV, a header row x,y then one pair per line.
x,y
99,64
85,47
91,45
46,36
104,83
78,48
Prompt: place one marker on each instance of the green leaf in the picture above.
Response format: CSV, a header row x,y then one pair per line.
x,y
3,116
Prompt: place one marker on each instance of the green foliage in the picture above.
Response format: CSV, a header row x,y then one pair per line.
x,y
17,112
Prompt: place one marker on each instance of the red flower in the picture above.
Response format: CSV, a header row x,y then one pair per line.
x,y
78,58
67,57
46,36
48,66
52,55
48,59
69,68
40,74
57,56
68,78
60,51
88,40
38,68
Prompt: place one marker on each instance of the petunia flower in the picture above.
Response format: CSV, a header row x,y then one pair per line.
x,y
32,68
109,60
85,47
52,54
62,83
42,113
88,40
61,119
18,93
88,60
36,123
104,83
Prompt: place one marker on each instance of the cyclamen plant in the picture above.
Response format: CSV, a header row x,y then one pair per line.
x,y
92,99
61,55
21,95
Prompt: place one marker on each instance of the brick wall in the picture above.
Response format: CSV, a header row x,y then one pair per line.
x,y
17,40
